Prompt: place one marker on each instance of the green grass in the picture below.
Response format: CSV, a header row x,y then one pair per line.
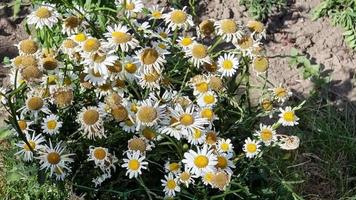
x,y
261,9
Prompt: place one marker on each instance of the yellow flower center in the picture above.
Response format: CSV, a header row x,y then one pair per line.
x,y
95,73
228,26
72,22
90,117
208,177
50,63
185,176
147,114
32,145
35,103
51,124
31,72
267,104
133,108
201,161
63,98
199,51
209,99
121,37
131,68
186,41
178,16
28,61
245,42
98,58
280,92
151,77
255,26
128,122
43,13
80,37
130,6
163,34
28,46
222,162
99,153
53,158
197,133
91,45
227,64
134,165
173,167
224,146
137,144
149,56
186,119
289,116
260,64
162,46
22,124
211,138
119,113
202,87
207,113
116,68
171,184
266,134
220,180
148,133
251,148
156,14
69,44
207,27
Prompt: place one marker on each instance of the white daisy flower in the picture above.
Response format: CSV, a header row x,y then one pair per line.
x,y
207,99
143,28
288,117
156,12
99,155
229,30
134,164
198,54
149,113
178,19
266,134
225,163
208,113
138,144
150,80
188,119
251,148
71,24
91,122
200,84
95,77
100,61
60,173
257,28
281,93
35,142
90,45
207,177
171,128
69,47
228,64
118,37
197,137
170,184
247,45
51,124
128,126
186,178
24,125
172,167
52,158
186,41
131,68
200,161
131,7
225,146
80,37
151,59
45,15
34,105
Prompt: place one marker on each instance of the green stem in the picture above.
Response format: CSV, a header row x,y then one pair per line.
x,y
217,42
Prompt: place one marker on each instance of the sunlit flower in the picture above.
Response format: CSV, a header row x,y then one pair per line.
x,y
151,59
131,6
178,19
225,163
51,124
288,117
224,146
156,12
186,42
134,164
201,161
198,54
251,148
207,99
91,122
170,184
281,93
229,30
36,144
266,134
228,64
118,37
45,15
172,167
149,113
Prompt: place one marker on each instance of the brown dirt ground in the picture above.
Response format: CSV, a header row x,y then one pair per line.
x,y
292,27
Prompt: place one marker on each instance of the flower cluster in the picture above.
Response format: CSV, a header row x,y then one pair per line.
x,y
156,79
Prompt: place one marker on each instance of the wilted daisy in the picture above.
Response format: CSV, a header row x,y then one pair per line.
x,y
99,155
185,42
287,142
200,84
27,47
225,163
151,59
251,148
257,28
266,134
211,138
118,37
60,173
178,19
71,24
95,77
24,125
51,124
91,122
281,93
172,167
131,6
186,178
207,177
52,158
260,64
134,164
163,33
69,47
34,105
188,120
288,117
229,30
198,54
170,184
156,12
150,80
35,142
170,128
138,144
149,113
45,15
228,64
207,99
100,179
200,161
220,180
128,125
224,146
206,28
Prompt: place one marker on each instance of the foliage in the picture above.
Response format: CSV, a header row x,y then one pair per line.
x,y
342,13
261,9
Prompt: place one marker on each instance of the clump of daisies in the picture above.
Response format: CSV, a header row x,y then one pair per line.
x,y
150,93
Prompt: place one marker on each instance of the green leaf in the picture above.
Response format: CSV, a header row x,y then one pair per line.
x,y
4,133
294,52
16,7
